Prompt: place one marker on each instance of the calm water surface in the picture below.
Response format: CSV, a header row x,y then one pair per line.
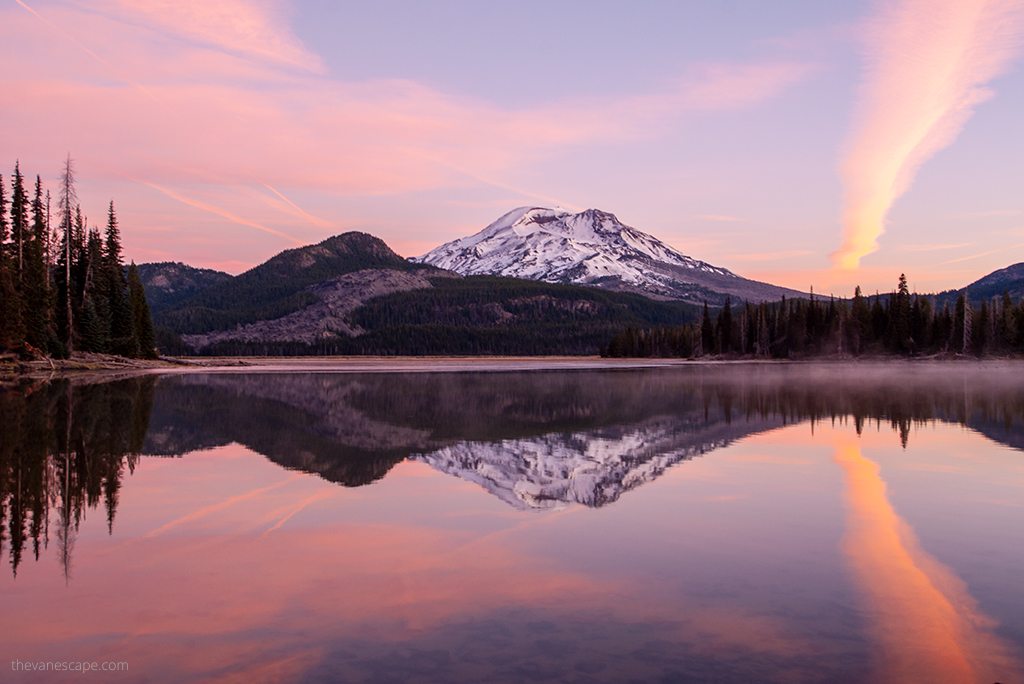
x,y
731,524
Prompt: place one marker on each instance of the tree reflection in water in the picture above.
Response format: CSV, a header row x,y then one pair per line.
x,y
65,446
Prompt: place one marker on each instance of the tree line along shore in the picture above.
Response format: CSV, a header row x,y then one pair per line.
x,y
897,323
64,286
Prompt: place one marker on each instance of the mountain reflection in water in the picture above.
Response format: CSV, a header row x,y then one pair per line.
x,y
234,538
533,439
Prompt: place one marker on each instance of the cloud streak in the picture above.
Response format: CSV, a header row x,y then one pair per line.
x,y
928,64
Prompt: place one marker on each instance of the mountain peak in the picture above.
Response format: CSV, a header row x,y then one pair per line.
x,y
591,247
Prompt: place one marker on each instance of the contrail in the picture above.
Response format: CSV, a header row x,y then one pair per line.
x,y
92,54
203,512
927,65
222,213
176,113
322,493
299,209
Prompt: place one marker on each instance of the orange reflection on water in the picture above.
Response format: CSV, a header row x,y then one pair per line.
x,y
925,624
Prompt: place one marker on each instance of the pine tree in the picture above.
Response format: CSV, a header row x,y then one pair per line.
x,y
11,332
707,332
1006,331
898,328
725,327
123,338
968,344
67,199
19,223
143,321
95,325
36,294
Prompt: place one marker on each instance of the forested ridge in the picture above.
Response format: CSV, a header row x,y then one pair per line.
x,y
483,315
277,287
898,323
64,287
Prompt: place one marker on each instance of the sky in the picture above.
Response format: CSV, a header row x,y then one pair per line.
x,y
804,143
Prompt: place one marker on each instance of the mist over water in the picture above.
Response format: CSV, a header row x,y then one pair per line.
x,y
699,523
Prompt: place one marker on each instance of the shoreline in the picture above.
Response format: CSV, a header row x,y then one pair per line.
x,y
101,367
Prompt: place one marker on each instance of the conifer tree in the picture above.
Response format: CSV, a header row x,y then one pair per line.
x,y
19,223
143,321
898,324
11,332
36,294
1007,324
725,327
968,344
95,324
123,338
707,332
67,199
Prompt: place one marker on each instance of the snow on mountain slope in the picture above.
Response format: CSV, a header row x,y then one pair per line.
x,y
590,248
592,468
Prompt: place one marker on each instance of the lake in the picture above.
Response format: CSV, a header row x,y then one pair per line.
x,y
693,523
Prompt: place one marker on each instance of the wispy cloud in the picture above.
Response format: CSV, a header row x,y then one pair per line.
x,y
996,212
928,63
252,28
769,256
717,217
933,248
980,254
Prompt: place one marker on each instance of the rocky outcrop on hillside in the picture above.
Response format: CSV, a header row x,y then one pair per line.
x,y
328,316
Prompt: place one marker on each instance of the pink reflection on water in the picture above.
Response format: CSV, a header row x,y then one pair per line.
x,y
925,625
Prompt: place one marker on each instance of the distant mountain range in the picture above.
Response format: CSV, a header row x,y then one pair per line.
x,y
536,281
1009,280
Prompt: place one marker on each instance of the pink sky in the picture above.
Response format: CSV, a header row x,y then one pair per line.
x,y
784,145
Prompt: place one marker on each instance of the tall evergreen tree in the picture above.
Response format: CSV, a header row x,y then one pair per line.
x,y
123,338
36,294
707,331
11,332
19,222
95,319
898,324
143,321
67,199
725,327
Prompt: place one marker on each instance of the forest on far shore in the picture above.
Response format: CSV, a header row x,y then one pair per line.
x,y
64,287
897,323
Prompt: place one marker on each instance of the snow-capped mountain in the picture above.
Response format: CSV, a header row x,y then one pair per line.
x,y
592,468
590,248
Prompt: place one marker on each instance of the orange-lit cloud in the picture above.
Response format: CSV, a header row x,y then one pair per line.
x,y
926,626
927,66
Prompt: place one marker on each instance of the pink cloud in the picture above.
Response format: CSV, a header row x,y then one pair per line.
x,y
253,28
928,63
218,100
